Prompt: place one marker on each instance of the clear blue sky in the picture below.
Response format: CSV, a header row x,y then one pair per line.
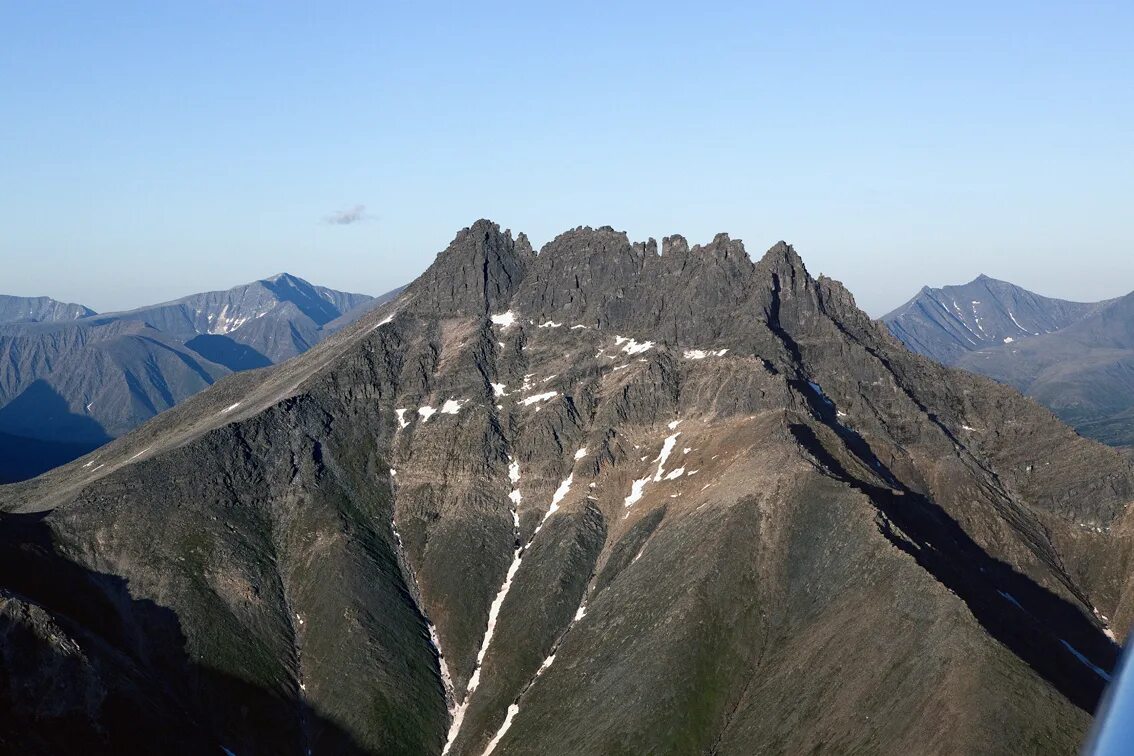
x,y
149,150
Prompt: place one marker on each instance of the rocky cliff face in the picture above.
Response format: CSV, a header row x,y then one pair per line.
x,y
594,500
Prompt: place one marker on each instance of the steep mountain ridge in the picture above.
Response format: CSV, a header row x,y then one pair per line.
x,y
39,310
594,500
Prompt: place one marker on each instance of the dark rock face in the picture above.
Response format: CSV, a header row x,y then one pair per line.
x,y
87,379
595,500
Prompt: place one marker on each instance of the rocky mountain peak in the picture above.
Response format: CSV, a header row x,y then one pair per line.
x,y
667,484
476,274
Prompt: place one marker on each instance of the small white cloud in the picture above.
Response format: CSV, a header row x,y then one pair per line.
x,y
346,217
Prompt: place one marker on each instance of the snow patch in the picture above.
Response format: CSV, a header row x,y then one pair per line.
x,y
498,389
1085,661
453,406
550,324
504,319
224,411
143,451
1011,599
558,496
513,710
426,412
663,455
535,398
636,489
675,474
581,453
632,346
401,413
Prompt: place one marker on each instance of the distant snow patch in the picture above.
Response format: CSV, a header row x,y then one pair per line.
x,y
426,412
224,411
581,453
1008,339
498,389
535,398
401,413
675,474
550,324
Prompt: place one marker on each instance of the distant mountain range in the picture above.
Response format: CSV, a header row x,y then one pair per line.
x,y
39,310
1077,358
71,379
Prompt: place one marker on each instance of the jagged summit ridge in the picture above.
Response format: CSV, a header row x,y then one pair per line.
x,y
598,277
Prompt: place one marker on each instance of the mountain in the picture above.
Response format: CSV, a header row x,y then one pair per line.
x,y
594,500
1075,358
277,318
83,381
1084,372
39,310
949,322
